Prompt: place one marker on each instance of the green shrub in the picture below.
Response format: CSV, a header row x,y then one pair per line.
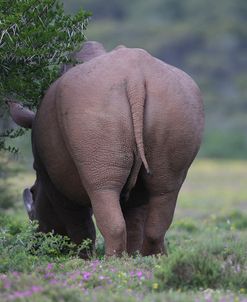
x,y
188,225
215,260
22,247
235,220
186,269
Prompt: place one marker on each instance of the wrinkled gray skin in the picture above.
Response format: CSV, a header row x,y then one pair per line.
x,y
89,136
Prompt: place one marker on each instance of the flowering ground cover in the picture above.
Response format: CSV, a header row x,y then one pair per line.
x,y
207,246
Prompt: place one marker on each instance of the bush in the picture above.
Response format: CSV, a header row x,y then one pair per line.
x,y
22,247
235,220
36,38
212,261
188,225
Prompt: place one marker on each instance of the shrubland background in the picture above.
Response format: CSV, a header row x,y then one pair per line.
x,y
207,240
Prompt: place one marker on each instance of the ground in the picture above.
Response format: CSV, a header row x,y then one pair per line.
x,y
207,248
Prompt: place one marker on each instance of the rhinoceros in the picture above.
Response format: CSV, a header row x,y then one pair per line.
x,y
113,137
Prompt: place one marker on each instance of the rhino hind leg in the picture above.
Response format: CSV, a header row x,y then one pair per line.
x,y
160,213
161,207
134,219
110,221
80,227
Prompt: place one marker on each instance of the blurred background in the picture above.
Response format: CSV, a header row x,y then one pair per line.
x,y
206,39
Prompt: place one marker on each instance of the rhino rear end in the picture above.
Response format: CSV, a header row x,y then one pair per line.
x,y
174,122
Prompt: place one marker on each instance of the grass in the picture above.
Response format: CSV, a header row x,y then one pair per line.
x,y
15,175
207,245
213,188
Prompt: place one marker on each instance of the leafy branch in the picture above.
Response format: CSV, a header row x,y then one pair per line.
x,y
36,37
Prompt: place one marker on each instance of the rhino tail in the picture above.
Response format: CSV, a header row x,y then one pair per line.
x,y
136,94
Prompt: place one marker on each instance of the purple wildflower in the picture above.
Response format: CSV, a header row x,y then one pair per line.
x,y
49,266
132,274
36,289
74,275
16,274
53,281
6,284
49,275
3,276
86,275
27,293
95,263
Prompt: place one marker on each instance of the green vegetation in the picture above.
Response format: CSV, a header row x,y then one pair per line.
x,y
35,38
213,259
206,244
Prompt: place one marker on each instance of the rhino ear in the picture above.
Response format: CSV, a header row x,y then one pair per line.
x,y
21,115
28,201
89,50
